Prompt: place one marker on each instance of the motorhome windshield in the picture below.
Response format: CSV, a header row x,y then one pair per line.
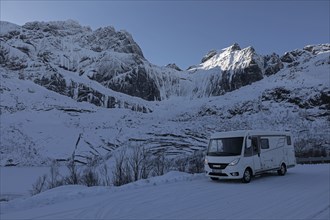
x,y
225,146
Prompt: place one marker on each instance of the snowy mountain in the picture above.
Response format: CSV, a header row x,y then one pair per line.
x,y
60,80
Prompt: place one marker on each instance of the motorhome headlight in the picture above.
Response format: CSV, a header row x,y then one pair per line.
x,y
234,162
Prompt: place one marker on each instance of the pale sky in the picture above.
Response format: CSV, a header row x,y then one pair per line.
x,y
182,32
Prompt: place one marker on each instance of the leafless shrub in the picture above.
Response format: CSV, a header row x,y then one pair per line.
x,y
181,164
90,177
160,164
311,147
54,180
40,185
146,165
196,162
104,171
74,175
139,162
135,162
300,148
190,163
122,172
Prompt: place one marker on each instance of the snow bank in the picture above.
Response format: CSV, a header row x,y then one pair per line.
x,y
302,194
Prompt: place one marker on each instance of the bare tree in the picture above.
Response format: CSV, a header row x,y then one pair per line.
x,y
196,162
139,162
90,177
181,164
73,177
54,175
122,172
146,165
300,148
160,164
104,171
40,185
135,161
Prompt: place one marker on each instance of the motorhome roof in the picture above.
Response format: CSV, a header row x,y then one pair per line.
x,y
242,133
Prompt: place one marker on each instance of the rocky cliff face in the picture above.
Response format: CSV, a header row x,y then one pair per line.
x,y
59,55
235,67
65,57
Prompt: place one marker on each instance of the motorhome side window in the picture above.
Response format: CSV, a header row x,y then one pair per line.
x,y
264,142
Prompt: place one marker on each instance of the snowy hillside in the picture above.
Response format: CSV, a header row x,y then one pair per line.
x,y
302,194
60,80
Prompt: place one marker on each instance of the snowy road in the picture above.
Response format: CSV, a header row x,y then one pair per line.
x,y
304,193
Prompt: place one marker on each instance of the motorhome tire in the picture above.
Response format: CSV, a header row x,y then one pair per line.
x,y
214,178
247,175
282,170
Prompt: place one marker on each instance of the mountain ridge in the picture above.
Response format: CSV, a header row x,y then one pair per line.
x,y
58,82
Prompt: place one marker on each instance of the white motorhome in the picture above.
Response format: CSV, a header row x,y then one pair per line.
x,y
244,154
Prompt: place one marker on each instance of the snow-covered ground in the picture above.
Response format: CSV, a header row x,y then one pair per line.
x,y
304,193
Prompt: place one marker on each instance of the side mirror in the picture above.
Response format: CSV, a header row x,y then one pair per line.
x,y
248,144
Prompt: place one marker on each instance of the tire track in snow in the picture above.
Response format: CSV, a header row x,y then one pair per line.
x,y
321,214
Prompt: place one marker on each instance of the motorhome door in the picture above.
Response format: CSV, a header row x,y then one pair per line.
x,y
256,153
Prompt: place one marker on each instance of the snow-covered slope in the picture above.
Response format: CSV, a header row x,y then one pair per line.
x,y
302,194
60,80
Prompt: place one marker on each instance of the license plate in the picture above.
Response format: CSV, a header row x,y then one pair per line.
x,y
216,171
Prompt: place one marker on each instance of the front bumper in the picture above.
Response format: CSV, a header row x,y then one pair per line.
x,y
229,172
